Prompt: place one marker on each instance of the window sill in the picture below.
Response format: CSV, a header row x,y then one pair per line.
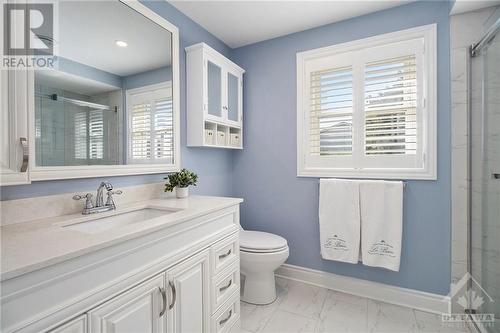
x,y
400,174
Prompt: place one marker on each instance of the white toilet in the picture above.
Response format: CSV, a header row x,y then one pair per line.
x,y
261,253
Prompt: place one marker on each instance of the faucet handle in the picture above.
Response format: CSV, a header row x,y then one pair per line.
x,y
88,202
110,202
82,196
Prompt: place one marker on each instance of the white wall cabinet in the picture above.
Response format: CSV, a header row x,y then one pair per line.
x,y
214,99
14,140
159,283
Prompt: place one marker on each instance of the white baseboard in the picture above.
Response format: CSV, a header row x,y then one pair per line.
x,y
378,291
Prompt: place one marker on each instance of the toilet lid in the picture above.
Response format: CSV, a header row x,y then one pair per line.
x,y
258,240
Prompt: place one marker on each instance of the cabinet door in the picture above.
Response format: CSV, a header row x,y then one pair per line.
x,y
214,90
15,87
77,325
233,98
189,309
136,310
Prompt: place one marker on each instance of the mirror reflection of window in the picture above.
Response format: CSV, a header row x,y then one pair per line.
x,y
151,124
89,135
81,130
109,100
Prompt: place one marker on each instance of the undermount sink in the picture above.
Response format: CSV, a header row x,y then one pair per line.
x,y
104,223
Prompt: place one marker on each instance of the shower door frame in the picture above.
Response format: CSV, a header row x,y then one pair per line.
x,y
474,51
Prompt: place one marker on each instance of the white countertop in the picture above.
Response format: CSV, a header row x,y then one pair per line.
x,y
32,245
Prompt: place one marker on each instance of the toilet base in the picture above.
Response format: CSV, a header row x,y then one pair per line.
x,y
259,288
258,269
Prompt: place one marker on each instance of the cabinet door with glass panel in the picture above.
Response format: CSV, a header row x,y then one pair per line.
x,y
233,98
223,92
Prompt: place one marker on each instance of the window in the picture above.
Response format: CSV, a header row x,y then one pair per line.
x,y
151,124
367,108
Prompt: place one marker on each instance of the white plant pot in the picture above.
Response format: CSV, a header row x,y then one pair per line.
x,y
182,192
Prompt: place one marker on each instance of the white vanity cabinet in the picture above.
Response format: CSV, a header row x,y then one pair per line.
x,y
161,282
214,99
77,325
175,301
136,310
14,140
189,308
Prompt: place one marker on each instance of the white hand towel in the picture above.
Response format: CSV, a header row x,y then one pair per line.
x,y
339,220
381,223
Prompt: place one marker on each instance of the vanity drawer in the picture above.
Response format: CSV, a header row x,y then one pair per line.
x,y
224,253
225,284
228,314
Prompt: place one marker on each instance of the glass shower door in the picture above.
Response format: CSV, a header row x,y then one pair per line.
x,y
485,122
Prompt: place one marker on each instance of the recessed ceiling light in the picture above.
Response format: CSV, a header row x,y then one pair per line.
x,y
121,43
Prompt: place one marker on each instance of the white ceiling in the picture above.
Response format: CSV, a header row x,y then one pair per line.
x,y
462,6
239,23
88,31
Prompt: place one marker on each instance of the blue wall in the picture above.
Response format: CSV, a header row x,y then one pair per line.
x,y
92,73
146,78
214,166
264,173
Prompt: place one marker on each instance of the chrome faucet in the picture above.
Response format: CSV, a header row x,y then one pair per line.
x,y
99,206
99,201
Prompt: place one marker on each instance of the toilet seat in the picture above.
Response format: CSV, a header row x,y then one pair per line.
x,y
261,242
263,251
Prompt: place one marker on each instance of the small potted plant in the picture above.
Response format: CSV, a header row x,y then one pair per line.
x,y
180,181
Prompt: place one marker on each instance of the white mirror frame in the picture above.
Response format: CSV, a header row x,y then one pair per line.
x,y
38,173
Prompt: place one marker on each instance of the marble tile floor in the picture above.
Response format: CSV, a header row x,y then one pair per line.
x,y
305,308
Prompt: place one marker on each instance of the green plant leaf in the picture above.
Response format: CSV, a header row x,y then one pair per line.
x,y
184,178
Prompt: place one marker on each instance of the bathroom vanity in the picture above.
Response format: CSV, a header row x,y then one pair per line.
x,y
164,265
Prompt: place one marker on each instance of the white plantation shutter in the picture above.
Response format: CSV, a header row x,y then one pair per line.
x,y
369,111
151,126
96,134
391,106
163,129
141,131
89,135
81,135
331,99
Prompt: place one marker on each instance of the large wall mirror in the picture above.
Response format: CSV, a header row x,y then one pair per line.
x,y
111,105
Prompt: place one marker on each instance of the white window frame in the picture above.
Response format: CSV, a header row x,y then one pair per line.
x,y
308,166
